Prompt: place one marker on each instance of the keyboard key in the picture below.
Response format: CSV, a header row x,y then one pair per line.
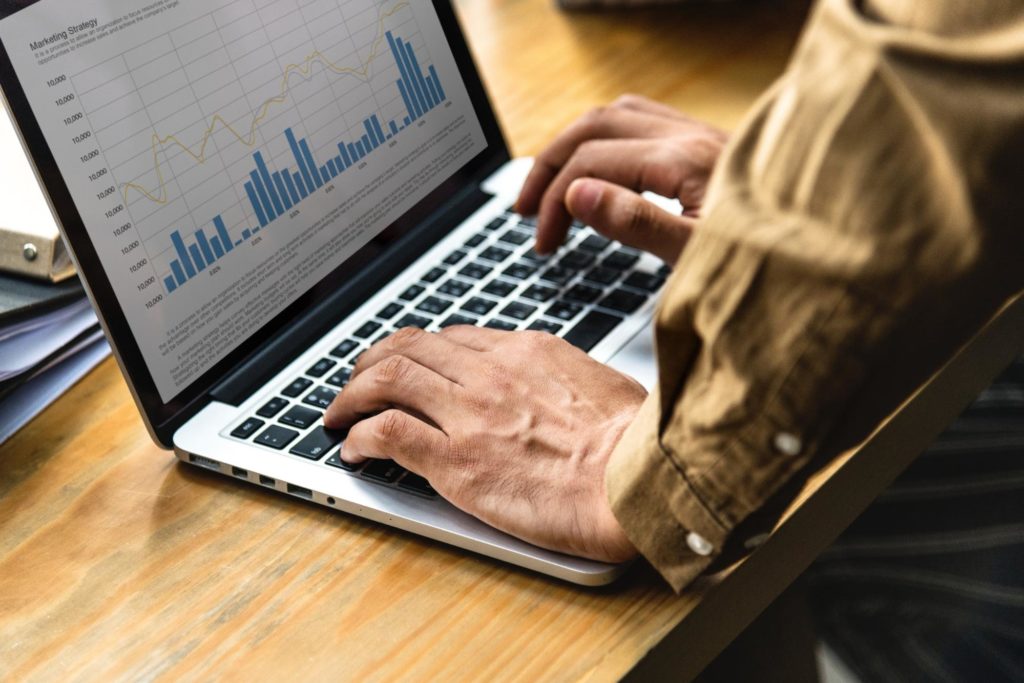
x,y
417,484
621,300
454,257
564,310
520,271
247,428
665,270
389,311
344,348
456,319
595,243
644,281
276,437
602,275
475,271
336,461
321,367
545,326
577,260
317,443
531,255
585,293
497,324
475,241
301,417
434,305
496,254
495,224
412,320
557,275
272,407
366,329
518,310
320,397
411,293
297,387
540,293
479,306
382,470
528,221
340,378
434,274
355,359
621,260
455,288
500,288
515,237
594,327
383,335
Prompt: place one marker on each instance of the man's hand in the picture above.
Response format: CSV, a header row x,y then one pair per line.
x,y
595,169
513,428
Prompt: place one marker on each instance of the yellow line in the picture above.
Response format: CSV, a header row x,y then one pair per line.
x,y
305,68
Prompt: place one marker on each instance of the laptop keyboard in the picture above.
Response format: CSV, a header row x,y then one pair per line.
x,y
495,280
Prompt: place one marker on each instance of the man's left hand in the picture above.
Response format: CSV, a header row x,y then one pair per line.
x,y
514,428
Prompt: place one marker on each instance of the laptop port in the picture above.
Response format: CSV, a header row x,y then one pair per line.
x,y
240,473
267,481
299,491
208,463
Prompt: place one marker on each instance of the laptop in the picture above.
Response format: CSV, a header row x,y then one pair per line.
x,y
256,191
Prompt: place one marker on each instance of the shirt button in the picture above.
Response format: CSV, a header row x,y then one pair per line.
x,y
787,443
698,544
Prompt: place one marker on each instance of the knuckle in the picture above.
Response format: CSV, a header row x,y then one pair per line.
x,y
405,337
389,426
393,370
628,101
592,119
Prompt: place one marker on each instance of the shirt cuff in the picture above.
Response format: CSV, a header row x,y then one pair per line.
x,y
655,505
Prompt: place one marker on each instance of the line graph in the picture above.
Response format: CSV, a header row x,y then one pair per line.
x,y
304,69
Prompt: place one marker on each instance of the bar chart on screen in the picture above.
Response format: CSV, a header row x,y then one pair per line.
x,y
226,155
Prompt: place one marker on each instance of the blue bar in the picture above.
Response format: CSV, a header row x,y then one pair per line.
x,y
371,134
268,183
410,101
179,247
179,276
360,151
225,238
261,192
197,257
367,145
353,152
204,245
260,216
417,86
215,243
291,187
300,160
339,163
417,73
282,190
433,90
332,167
396,51
437,83
325,173
376,127
246,234
300,186
310,163
169,284
394,128
344,155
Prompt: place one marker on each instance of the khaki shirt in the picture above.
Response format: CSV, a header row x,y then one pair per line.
x,y
865,221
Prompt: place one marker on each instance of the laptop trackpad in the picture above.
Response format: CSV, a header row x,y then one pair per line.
x,y
637,359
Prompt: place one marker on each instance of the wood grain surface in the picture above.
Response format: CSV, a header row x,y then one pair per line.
x,y
118,563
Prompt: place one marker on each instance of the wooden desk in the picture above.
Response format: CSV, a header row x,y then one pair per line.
x,y
117,562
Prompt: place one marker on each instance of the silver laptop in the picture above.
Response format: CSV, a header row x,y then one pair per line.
x,y
255,191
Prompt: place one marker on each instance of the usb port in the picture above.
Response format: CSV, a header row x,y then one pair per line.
x,y
299,491
240,473
267,481
208,463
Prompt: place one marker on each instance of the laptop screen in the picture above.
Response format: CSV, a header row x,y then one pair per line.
x,y
227,156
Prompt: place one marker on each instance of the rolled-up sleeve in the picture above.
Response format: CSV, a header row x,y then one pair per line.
x,y
864,222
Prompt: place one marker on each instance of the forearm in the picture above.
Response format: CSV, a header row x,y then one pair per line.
x,y
860,226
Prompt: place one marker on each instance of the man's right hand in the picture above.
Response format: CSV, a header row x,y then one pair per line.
x,y
595,170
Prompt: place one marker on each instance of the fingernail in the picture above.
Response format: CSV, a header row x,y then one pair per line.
x,y
584,196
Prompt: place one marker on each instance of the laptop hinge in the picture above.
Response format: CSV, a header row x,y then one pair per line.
x,y
264,363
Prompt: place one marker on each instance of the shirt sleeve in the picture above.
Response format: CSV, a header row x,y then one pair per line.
x,y
864,222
